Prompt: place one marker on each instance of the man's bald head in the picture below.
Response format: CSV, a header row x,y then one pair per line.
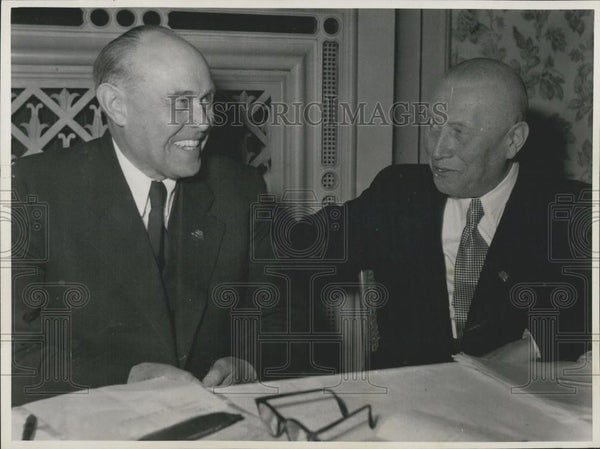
x,y
504,87
115,63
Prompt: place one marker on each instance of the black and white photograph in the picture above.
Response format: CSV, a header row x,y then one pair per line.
x,y
240,224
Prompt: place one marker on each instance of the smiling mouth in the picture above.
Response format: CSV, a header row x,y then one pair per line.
x,y
440,171
188,145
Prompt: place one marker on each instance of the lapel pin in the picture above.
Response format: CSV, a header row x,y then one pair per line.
x,y
197,235
503,275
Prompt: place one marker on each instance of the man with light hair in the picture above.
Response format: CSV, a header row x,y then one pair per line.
x,y
467,245
142,226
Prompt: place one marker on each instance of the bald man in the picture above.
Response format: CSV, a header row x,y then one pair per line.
x,y
140,230
467,246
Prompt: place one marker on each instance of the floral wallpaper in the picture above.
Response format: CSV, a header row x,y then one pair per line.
x,y
553,53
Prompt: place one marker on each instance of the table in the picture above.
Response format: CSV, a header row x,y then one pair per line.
x,y
468,400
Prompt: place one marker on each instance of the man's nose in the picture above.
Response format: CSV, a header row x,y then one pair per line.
x,y
439,147
202,115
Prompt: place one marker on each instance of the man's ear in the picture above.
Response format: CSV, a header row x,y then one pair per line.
x,y
112,101
517,135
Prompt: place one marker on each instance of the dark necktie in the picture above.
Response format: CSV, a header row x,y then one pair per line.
x,y
156,222
469,261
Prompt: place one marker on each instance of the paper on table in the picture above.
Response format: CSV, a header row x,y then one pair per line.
x,y
579,372
118,412
419,425
567,383
456,402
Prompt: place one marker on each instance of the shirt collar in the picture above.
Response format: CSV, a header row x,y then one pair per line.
x,y
495,200
139,182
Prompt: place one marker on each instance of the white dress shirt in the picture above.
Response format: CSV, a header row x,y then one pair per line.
x,y
455,219
139,184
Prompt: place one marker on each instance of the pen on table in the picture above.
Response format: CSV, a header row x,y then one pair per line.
x,y
29,428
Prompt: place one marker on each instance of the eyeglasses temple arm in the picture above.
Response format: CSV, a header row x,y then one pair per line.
x,y
284,395
339,421
340,402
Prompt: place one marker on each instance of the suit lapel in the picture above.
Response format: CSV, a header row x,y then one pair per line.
x,y
195,238
502,257
424,208
500,254
117,229
439,204
438,264
432,222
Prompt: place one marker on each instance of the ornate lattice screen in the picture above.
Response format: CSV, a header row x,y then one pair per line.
x,y
53,117
44,118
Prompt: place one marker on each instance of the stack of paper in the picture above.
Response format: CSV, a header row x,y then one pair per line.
x,y
117,412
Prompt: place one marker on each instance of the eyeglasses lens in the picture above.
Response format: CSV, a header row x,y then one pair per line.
x,y
295,432
269,418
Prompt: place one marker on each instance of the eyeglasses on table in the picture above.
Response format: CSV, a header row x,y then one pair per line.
x,y
276,423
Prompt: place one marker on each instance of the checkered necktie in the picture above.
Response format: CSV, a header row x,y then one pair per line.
x,y
469,261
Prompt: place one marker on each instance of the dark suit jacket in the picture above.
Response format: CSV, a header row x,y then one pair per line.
x,y
93,263
395,228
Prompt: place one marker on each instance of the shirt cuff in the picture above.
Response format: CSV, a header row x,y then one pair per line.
x,y
536,348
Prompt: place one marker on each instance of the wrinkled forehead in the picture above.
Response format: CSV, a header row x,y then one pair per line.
x,y
473,100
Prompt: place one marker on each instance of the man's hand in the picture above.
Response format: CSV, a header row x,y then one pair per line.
x,y
228,371
147,370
